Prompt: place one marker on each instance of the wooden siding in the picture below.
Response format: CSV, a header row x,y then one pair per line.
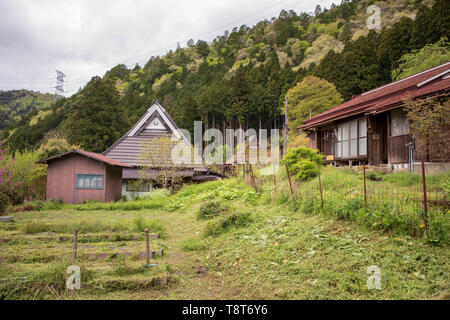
x,y
61,179
377,139
397,149
113,184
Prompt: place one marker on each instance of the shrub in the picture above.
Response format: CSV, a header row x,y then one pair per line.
x,y
303,162
306,169
4,202
237,220
53,204
210,210
374,176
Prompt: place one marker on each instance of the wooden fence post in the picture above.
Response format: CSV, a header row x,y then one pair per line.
x,y
365,197
75,245
320,185
425,204
253,178
289,178
147,246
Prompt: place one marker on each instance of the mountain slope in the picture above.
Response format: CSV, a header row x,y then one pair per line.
x,y
240,79
17,103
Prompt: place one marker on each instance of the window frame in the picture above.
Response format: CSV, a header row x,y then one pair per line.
x,y
360,136
78,176
398,111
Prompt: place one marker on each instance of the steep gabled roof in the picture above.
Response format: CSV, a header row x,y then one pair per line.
x,y
431,82
91,155
154,123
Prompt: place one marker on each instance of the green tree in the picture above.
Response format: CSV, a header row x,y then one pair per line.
x,y
419,60
189,112
241,95
310,97
53,147
96,118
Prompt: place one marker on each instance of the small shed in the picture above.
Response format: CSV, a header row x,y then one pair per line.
x,y
80,175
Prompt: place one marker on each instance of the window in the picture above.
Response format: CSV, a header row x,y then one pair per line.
x,y
351,139
137,186
399,123
90,181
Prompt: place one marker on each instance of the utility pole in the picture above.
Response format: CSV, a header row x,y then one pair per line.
x,y
285,126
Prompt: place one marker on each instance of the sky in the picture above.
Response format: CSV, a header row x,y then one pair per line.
x,y
85,38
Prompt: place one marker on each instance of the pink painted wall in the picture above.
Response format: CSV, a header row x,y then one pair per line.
x,y
113,186
61,180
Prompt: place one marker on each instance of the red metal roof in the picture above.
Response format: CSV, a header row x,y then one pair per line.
x,y
92,155
431,82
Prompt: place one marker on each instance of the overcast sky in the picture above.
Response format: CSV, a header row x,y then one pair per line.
x,y
85,38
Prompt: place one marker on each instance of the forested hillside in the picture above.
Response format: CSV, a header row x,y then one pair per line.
x,y
241,78
16,103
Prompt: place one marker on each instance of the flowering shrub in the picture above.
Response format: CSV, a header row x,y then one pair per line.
x,y
10,176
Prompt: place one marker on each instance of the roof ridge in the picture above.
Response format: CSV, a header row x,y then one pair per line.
x,y
407,78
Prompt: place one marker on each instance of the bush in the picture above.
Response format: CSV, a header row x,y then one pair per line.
x,y
53,204
305,169
237,220
374,176
211,209
303,162
4,202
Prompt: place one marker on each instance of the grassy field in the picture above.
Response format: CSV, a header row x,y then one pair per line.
x,y
222,240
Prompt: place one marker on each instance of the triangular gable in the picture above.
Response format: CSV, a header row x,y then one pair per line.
x,y
157,113
155,122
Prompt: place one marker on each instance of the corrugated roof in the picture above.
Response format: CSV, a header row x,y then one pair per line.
x,y
431,82
92,155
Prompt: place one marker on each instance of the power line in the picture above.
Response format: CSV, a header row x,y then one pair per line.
x,y
78,81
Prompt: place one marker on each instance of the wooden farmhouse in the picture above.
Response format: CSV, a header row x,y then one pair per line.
x,y
373,127
79,175
154,123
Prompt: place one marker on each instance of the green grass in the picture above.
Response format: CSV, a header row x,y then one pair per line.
x,y
194,245
266,245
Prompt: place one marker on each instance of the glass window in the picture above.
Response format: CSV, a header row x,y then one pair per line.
x,y
362,128
345,151
137,186
90,181
339,150
345,128
362,145
354,129
399,123
354,148
351,139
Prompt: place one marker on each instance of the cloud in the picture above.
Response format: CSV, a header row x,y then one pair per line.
x,y
84,38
